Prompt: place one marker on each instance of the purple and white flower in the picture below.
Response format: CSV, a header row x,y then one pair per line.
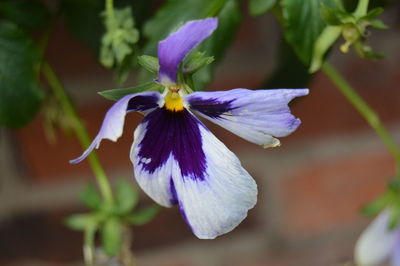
x,y
177,160
378,243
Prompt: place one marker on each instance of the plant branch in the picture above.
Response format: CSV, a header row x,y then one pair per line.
x,y
79,130
365,110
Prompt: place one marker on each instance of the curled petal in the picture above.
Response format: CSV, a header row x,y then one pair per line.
x,y
257,116
113,122
193,169
177,45
377,242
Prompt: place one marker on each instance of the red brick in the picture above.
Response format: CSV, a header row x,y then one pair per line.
x,y
327,194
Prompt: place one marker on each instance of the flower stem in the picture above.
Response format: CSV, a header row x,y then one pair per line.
x,y
110,9
79,130
365,110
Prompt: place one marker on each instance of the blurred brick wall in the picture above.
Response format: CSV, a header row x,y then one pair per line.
x,y
311,187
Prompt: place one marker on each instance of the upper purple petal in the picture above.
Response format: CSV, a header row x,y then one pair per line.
x,y
113,122
177,45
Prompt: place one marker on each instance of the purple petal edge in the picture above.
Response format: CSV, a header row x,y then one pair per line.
x,y
113,122
177,45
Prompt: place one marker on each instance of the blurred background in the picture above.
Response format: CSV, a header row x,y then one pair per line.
x,y
310,189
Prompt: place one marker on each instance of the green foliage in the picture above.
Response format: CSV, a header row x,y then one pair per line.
x,y
126,197
259,7
20,95
26,14
195,62
82,222
119,38
117,94
91,198
143,216
111,235
150,63
303,24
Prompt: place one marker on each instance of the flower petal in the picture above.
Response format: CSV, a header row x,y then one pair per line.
x,y
257,116
395,256
194,170
177,45
113,122
376,242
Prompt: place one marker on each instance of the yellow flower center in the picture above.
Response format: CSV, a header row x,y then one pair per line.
x,y
173,101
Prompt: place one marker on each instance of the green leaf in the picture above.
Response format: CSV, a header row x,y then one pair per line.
x,y
373,13
91,197
259,7
303,24
126,197
196,61
150,63
27,14
378,24
20,95
325,41
330,15
377,205
84,21
143,216
117,94
81,222
111,236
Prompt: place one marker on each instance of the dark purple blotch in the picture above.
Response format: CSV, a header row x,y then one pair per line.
x,y
142,103
211,107
177,133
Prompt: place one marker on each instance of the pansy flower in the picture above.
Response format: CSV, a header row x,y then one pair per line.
x,y
379,243
176,159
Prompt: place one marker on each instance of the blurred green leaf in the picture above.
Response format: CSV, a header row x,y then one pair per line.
x,y
196,61
330,15
394,216
91,198
150,63
126,197
84,21
259,7
143,216
27,14
378,24
325,41
377,205
81,222
20,95
111,236
374,13
303,24
117,94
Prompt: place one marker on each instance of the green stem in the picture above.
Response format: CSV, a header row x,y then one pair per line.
x,y
366,111
80,131
361,9
88,246
110,8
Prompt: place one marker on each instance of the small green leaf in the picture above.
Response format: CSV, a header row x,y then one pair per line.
x,y
91,197
81,222
20,95
126,197
117,94
394,217
27,14
327,38
377,205
373,13
196,62
330,15
111,236
150,63
259,7
378,24
143,216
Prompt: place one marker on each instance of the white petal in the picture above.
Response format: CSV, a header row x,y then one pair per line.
x,y
376,243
